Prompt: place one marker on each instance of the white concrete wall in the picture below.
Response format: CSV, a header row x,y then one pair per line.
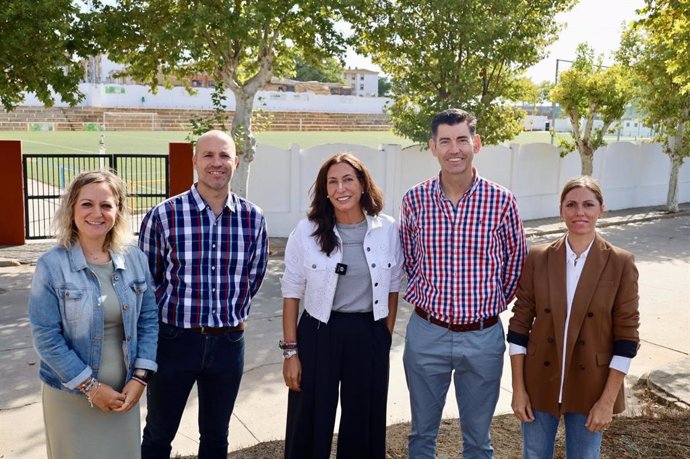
x,y
130,96
631,175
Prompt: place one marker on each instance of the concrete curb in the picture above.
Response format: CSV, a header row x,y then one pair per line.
x,y
669,383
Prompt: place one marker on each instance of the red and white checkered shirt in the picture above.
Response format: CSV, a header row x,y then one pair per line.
x,y
462,263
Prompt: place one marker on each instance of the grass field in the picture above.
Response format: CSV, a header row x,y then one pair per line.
x,y
65,142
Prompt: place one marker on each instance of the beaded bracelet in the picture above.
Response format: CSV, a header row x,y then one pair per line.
x,y
90,397
283,345
86,386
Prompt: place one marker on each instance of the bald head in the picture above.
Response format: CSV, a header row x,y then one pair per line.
x,y
214,135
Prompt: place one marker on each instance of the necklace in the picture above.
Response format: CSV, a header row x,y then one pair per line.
x,y
97,257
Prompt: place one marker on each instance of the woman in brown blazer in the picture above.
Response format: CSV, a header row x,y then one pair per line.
x,y
573,332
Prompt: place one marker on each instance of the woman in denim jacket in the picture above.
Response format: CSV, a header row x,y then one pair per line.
x,y
94,324
343,262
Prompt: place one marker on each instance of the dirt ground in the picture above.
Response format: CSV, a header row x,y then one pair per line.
x,y
654,432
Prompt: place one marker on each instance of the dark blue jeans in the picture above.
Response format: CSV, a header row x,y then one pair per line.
x,y
215,363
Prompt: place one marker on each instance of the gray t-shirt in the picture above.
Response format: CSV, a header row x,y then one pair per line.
x,y
353,292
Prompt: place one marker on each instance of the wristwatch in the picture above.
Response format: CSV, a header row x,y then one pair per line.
x,y
144,375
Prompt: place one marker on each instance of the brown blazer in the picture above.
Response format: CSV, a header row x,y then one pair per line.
x,y
604,322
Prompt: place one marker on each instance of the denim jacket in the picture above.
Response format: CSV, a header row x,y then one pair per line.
x,y
67,318
310,274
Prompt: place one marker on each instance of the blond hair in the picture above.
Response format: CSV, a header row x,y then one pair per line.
x,y
63,223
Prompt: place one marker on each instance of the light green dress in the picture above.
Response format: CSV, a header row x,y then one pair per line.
x,y
74,430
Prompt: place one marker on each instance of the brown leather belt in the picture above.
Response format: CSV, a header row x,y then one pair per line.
x,y
217,330
486,323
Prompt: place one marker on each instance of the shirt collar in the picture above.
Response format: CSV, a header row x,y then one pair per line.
x,y
201,203
438,189
571,256
79,260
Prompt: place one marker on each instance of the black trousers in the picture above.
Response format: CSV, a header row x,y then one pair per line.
x,y
349,355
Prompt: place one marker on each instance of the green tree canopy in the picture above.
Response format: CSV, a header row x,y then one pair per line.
x,y
327,69
466,54
656,49
42,45
242,44
588,91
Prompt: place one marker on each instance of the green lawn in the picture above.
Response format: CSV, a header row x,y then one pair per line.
x,y
65,142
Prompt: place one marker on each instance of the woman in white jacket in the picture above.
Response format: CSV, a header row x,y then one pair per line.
x,y
344,262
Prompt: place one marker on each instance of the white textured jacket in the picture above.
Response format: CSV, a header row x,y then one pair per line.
x,y
310,274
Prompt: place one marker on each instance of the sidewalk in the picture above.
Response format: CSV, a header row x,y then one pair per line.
x,y
661,243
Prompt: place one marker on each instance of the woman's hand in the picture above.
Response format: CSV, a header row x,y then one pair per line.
x,y
132,392
522,408
292,373
106,398
600,416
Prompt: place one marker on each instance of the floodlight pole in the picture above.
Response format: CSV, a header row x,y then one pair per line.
x,y
553,104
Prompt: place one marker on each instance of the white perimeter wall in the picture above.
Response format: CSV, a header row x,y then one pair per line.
x,y
631,174
130,96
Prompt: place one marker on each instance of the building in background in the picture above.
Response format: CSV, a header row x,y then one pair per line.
x,y
364,83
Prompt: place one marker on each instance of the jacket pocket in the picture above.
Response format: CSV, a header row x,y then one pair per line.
x,y
603,358
74,302
139,287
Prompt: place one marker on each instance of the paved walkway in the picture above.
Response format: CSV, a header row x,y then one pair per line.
x,y
661,243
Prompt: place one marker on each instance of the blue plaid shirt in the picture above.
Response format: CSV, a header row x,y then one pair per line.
x,y
205,268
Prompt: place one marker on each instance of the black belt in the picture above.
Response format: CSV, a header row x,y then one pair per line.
x,y
216,330
485,323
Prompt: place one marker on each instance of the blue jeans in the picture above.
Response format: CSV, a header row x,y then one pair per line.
x,y
474,360
539,436
215,363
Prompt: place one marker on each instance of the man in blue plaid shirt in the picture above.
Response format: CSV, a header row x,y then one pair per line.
x,y
207,250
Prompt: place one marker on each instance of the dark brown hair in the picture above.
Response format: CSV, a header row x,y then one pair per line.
x,y
321,210
451,117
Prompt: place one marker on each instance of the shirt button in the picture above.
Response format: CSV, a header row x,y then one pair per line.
x,y
313,266
213,290
376,302
214,246
373,265
116,278
550,339
547,363
125,306
590,314
376,284
213,268
368,249
547,310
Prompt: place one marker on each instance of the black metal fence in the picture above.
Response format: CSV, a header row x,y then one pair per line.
x,y
46,176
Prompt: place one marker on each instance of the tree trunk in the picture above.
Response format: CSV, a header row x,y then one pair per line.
x,y
672,197
587,160
244,138
675,149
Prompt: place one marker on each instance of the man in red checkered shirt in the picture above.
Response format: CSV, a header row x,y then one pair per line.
x,y
464,247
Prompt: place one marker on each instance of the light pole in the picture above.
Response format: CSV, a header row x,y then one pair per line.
x,y
553,104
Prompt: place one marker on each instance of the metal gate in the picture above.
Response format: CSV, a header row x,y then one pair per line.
x,y
46,176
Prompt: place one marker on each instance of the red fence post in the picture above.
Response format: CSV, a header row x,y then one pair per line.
x,y
180,167
12,192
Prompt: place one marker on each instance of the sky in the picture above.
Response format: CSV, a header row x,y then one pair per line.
x,y
597,22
